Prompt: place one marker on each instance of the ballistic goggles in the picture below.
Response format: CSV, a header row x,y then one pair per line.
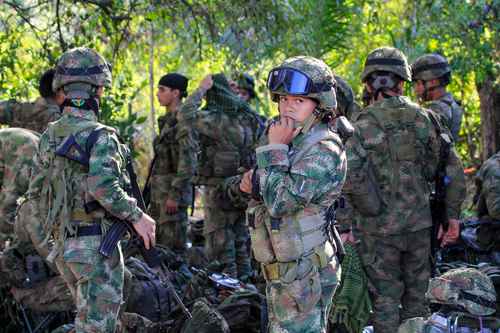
x,y
294,82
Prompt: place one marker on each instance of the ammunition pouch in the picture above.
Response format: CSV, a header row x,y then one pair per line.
x,y
293,237
226,163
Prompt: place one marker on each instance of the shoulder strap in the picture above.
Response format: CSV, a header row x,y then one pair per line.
x,y
314,138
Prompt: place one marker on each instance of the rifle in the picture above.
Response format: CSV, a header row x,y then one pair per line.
x,y
437,198
119,227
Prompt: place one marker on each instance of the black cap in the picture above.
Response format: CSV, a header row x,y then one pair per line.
x,y
175,81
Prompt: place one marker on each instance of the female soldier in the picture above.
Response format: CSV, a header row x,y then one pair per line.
x,y
299,174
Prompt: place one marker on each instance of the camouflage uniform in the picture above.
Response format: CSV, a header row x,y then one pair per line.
x,y
293,187
228,130
64,186
489,196
172,171
34,116
392,160
435,66
17,148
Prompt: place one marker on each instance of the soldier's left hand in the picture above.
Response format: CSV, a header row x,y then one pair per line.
x,y
282,131
451,235
246,182
171,206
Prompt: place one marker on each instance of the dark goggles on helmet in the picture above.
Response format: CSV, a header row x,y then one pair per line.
x,y
294,82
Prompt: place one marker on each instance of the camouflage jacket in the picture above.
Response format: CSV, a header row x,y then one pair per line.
x,y
17,148
60,180
397,142
175,160
489,175
450,112
34,116
227,130
314,181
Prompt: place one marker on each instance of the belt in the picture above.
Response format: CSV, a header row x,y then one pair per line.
x,y
86,230
80,215
272,271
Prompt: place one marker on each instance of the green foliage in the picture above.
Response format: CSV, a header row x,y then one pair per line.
x,y
206,36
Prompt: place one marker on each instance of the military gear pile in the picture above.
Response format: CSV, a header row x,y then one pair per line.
x,y
466,289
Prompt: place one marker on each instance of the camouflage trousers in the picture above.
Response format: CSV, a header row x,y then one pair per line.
x,y
226,236
300,301
398,267
95,282
172,231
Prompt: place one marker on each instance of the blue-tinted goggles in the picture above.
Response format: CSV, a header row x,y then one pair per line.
x,y
294,82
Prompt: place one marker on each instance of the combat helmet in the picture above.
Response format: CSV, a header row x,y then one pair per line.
x,y
344,94
429,67
82,66
465,288
304,76
245,81
386,59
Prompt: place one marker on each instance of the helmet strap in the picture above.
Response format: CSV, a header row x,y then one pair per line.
x,y
310,121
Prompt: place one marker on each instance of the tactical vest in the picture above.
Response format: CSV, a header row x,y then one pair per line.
x,y
226,145
166,146
292,237
65,192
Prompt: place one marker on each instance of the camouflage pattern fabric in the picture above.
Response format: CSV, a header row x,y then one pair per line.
x,y
228,130
95,282
33,116
17,148
173,169
489,176
450,112
300,299
396,142
393,283
464,288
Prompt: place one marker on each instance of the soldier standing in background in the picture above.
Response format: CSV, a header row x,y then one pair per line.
x,y
34,116
431,74
393,158
228,131
173,166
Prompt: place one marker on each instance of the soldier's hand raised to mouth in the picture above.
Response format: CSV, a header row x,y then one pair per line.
x,y
146,228
282,131
246,182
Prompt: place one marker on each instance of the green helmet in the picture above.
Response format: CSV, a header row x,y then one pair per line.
x,y
386,59
344,94
430,66
467,288
81,65
321,86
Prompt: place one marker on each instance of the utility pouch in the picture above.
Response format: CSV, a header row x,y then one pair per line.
x,y
290,299
261,243
365,192
226,163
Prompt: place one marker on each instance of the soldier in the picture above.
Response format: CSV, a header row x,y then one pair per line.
x,y
431,74
393,158
17,148
300,173
81,163
228,130
347,106
34,116
173,167
488,179
245,87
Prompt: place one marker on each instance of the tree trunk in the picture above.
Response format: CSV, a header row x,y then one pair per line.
x,y
489,97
